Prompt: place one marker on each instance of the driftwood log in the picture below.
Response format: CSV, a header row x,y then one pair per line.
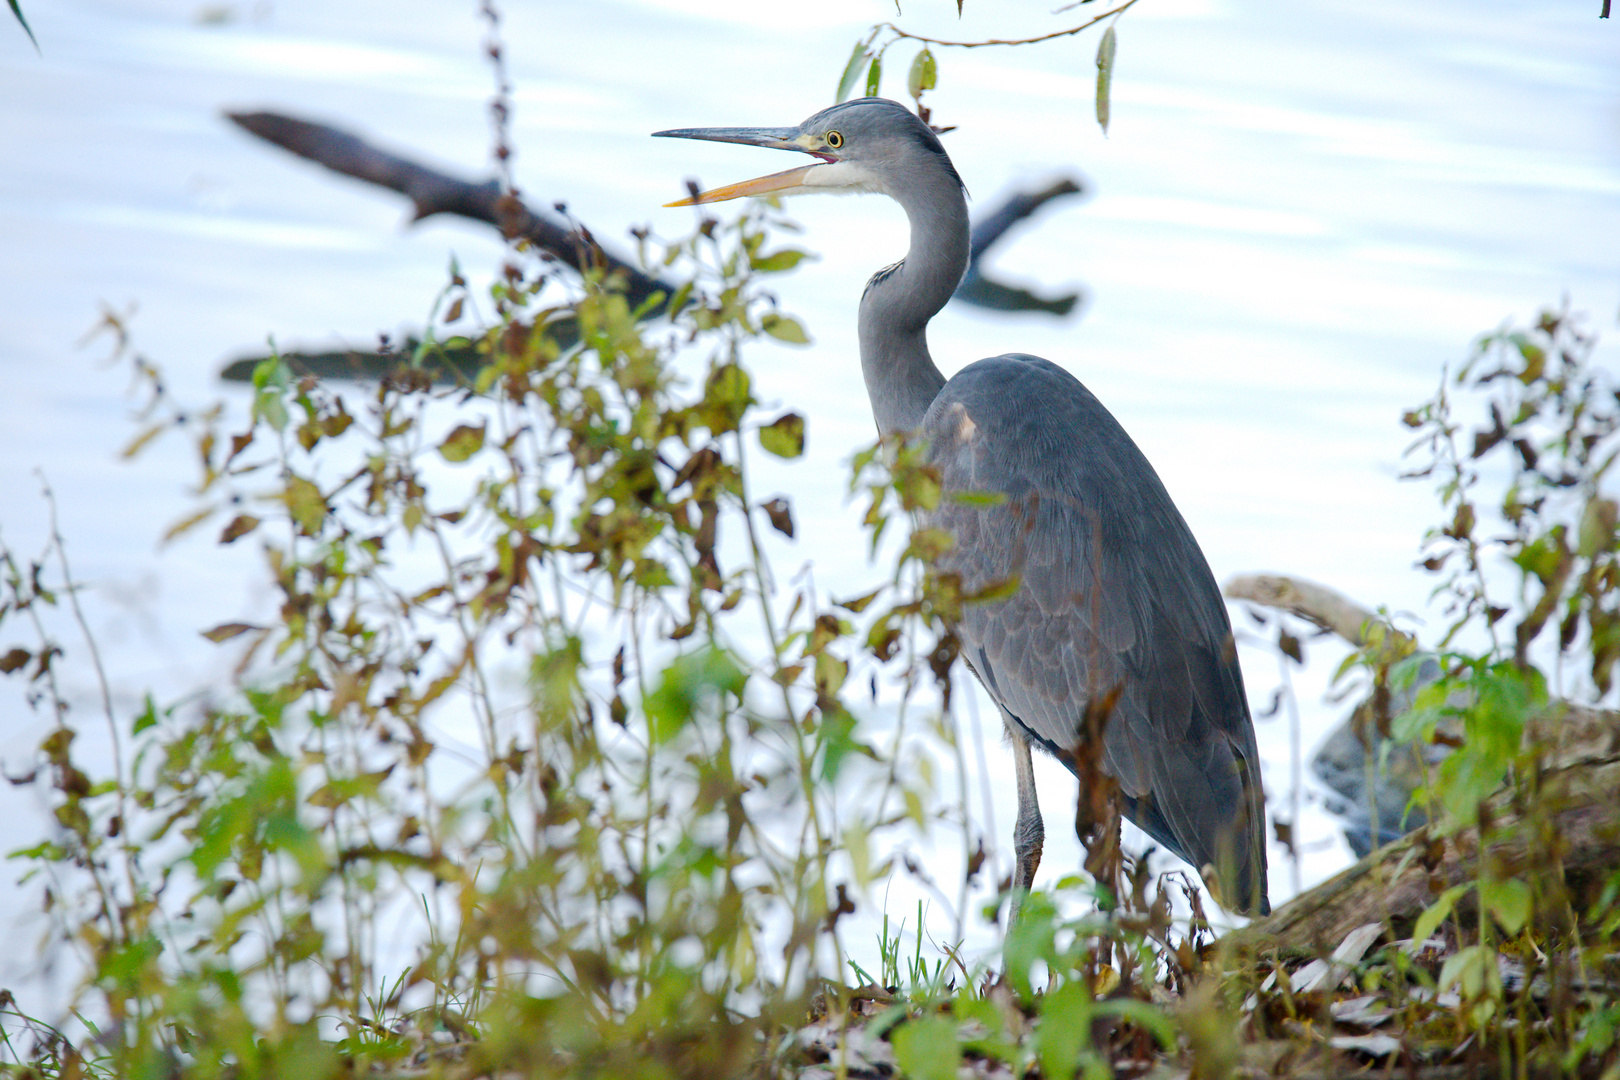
x,y
1318,604
1572,833
432,191
1575,831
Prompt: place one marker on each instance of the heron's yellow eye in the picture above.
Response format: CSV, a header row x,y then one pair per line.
x,y
834,139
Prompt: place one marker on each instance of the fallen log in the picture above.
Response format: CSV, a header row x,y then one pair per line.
x,y
1570,840
1573,830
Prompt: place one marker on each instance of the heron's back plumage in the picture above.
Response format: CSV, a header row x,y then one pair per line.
x,y
1113,591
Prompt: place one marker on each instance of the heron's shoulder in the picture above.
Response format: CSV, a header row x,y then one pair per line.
x,y
1015,365
1015,379
1018,395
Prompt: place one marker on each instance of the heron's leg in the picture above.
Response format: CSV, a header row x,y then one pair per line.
x,y
1028,832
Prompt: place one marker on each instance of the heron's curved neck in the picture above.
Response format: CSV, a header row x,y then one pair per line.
x,y
901,378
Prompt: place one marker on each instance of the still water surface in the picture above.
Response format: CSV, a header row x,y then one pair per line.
x,y
1302,210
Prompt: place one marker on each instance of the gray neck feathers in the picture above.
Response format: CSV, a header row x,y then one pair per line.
x,y
901,378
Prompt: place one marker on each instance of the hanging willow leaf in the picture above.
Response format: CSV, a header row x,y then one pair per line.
x,y
874,75
923,74
852,70
1105,75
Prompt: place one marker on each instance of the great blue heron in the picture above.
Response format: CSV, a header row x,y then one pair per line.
x,y
1113,592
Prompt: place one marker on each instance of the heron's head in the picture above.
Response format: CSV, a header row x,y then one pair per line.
x,y
870,144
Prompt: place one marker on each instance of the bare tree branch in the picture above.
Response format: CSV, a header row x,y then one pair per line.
x,y
434,192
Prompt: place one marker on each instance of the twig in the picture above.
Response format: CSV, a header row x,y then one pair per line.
x,y
897,32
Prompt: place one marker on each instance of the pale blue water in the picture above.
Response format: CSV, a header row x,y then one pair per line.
x,y
1301,211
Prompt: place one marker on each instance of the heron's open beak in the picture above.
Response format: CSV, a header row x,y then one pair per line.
x,y
782,183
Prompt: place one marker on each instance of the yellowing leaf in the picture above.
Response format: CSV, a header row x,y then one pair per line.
x,y
1105,74
462,443
924,71
187,523
226,631
859,603
240,526
777,261
147,434
785,329
784,436
305,503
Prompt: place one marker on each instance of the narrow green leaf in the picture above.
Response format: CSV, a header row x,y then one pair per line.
x,y
784,437
874,75
148,717
1149,1018
16,9
838,739
846,81
1105,75
979,499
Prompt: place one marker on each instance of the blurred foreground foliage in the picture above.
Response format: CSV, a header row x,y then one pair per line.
x,y
537,759
1499,913
540,771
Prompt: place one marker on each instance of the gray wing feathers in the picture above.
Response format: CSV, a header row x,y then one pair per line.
x,y
1114,591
